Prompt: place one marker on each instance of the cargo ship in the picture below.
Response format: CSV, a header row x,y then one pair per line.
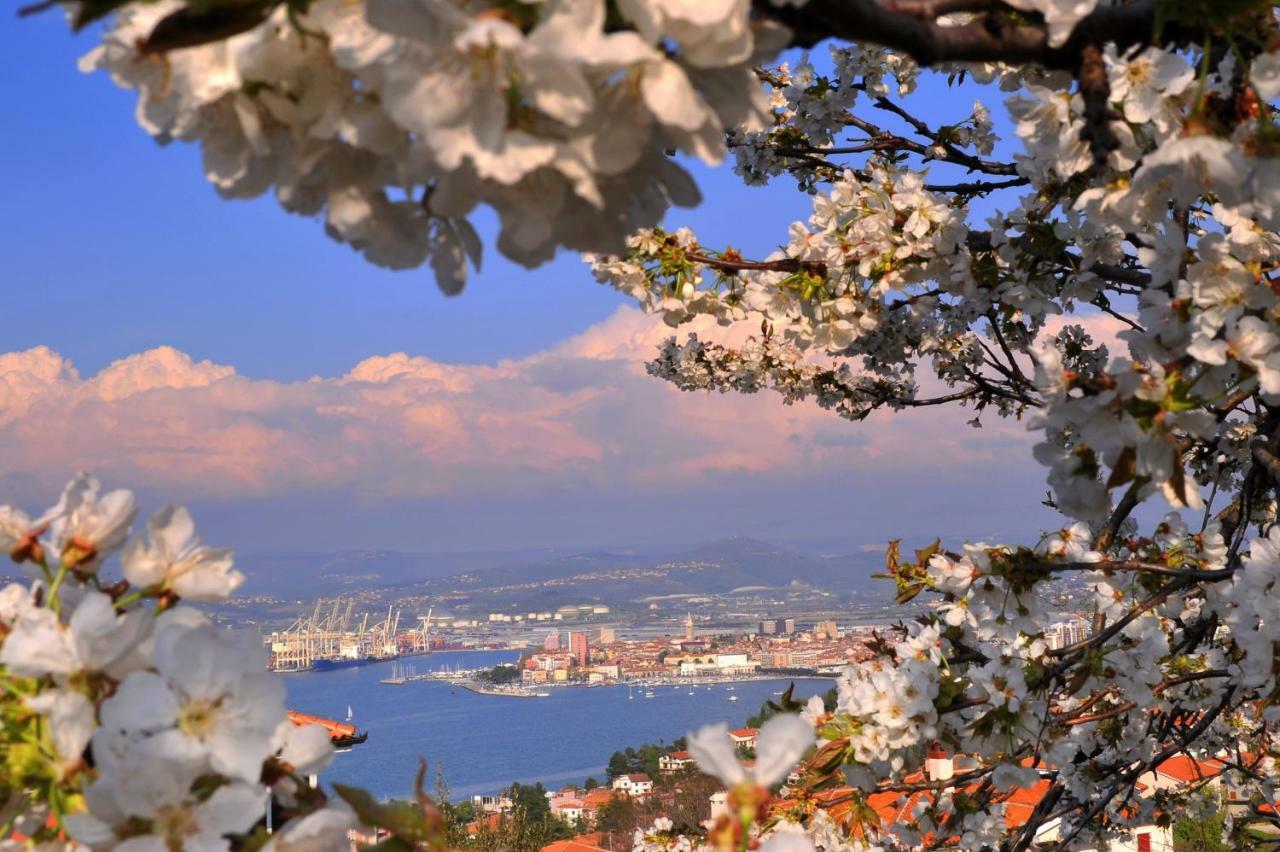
x,y
327,665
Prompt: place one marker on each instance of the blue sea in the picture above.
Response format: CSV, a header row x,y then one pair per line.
x,y
483,743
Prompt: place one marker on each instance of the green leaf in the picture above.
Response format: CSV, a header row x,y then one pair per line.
x,y
925,554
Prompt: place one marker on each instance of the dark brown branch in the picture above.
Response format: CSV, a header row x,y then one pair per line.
x,y
1095,91
1131,566
1107,535
992,37
929,10
1263,456
977,187
1103,305
1179,582
787,264
36,8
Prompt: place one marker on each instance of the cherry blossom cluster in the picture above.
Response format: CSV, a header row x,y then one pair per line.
x,y
395,121
1175,214
131,721
1156,208
1181,643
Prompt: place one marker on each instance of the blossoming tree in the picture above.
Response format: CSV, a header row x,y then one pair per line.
x,y
1143,185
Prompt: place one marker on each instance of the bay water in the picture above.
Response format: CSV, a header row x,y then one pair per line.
x,y
483,743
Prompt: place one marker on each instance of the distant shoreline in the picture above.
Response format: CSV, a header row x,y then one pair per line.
x,y
525,691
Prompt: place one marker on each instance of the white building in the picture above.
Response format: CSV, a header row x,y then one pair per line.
x,y
637,785
676,761
492,804
736,664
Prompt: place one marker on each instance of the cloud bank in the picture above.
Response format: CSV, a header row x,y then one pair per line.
x,y
582,416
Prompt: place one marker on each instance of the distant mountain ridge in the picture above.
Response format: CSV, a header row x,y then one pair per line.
x,y
717,567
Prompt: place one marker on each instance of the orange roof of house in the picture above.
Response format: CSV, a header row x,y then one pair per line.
x,y
581,843
597,797
680,755
1188,770
640,778
490,821
743,733
893,807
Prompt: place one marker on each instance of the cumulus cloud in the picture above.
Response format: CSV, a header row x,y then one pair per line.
x,y
581,415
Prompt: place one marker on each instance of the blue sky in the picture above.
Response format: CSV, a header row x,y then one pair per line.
x,y
115,246
125,243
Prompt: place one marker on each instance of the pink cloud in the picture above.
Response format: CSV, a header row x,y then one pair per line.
x,y
583,414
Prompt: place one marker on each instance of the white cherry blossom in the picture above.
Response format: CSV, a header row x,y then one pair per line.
x,y
174,559
93,525
208,691
782,741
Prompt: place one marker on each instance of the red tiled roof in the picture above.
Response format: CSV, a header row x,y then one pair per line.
x,y
597,797
490,821
893,807
581,843
1188,770
680,755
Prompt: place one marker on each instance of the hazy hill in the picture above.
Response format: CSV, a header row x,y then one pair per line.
x,y
714,568
323,574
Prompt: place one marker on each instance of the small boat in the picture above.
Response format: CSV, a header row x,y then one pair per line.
x,y
648,693
543,694
733,698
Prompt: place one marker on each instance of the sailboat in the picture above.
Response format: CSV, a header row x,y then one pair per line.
x,y
630,697
399,675
349,714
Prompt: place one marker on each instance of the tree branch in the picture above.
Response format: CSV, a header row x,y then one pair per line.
x,y
995,36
